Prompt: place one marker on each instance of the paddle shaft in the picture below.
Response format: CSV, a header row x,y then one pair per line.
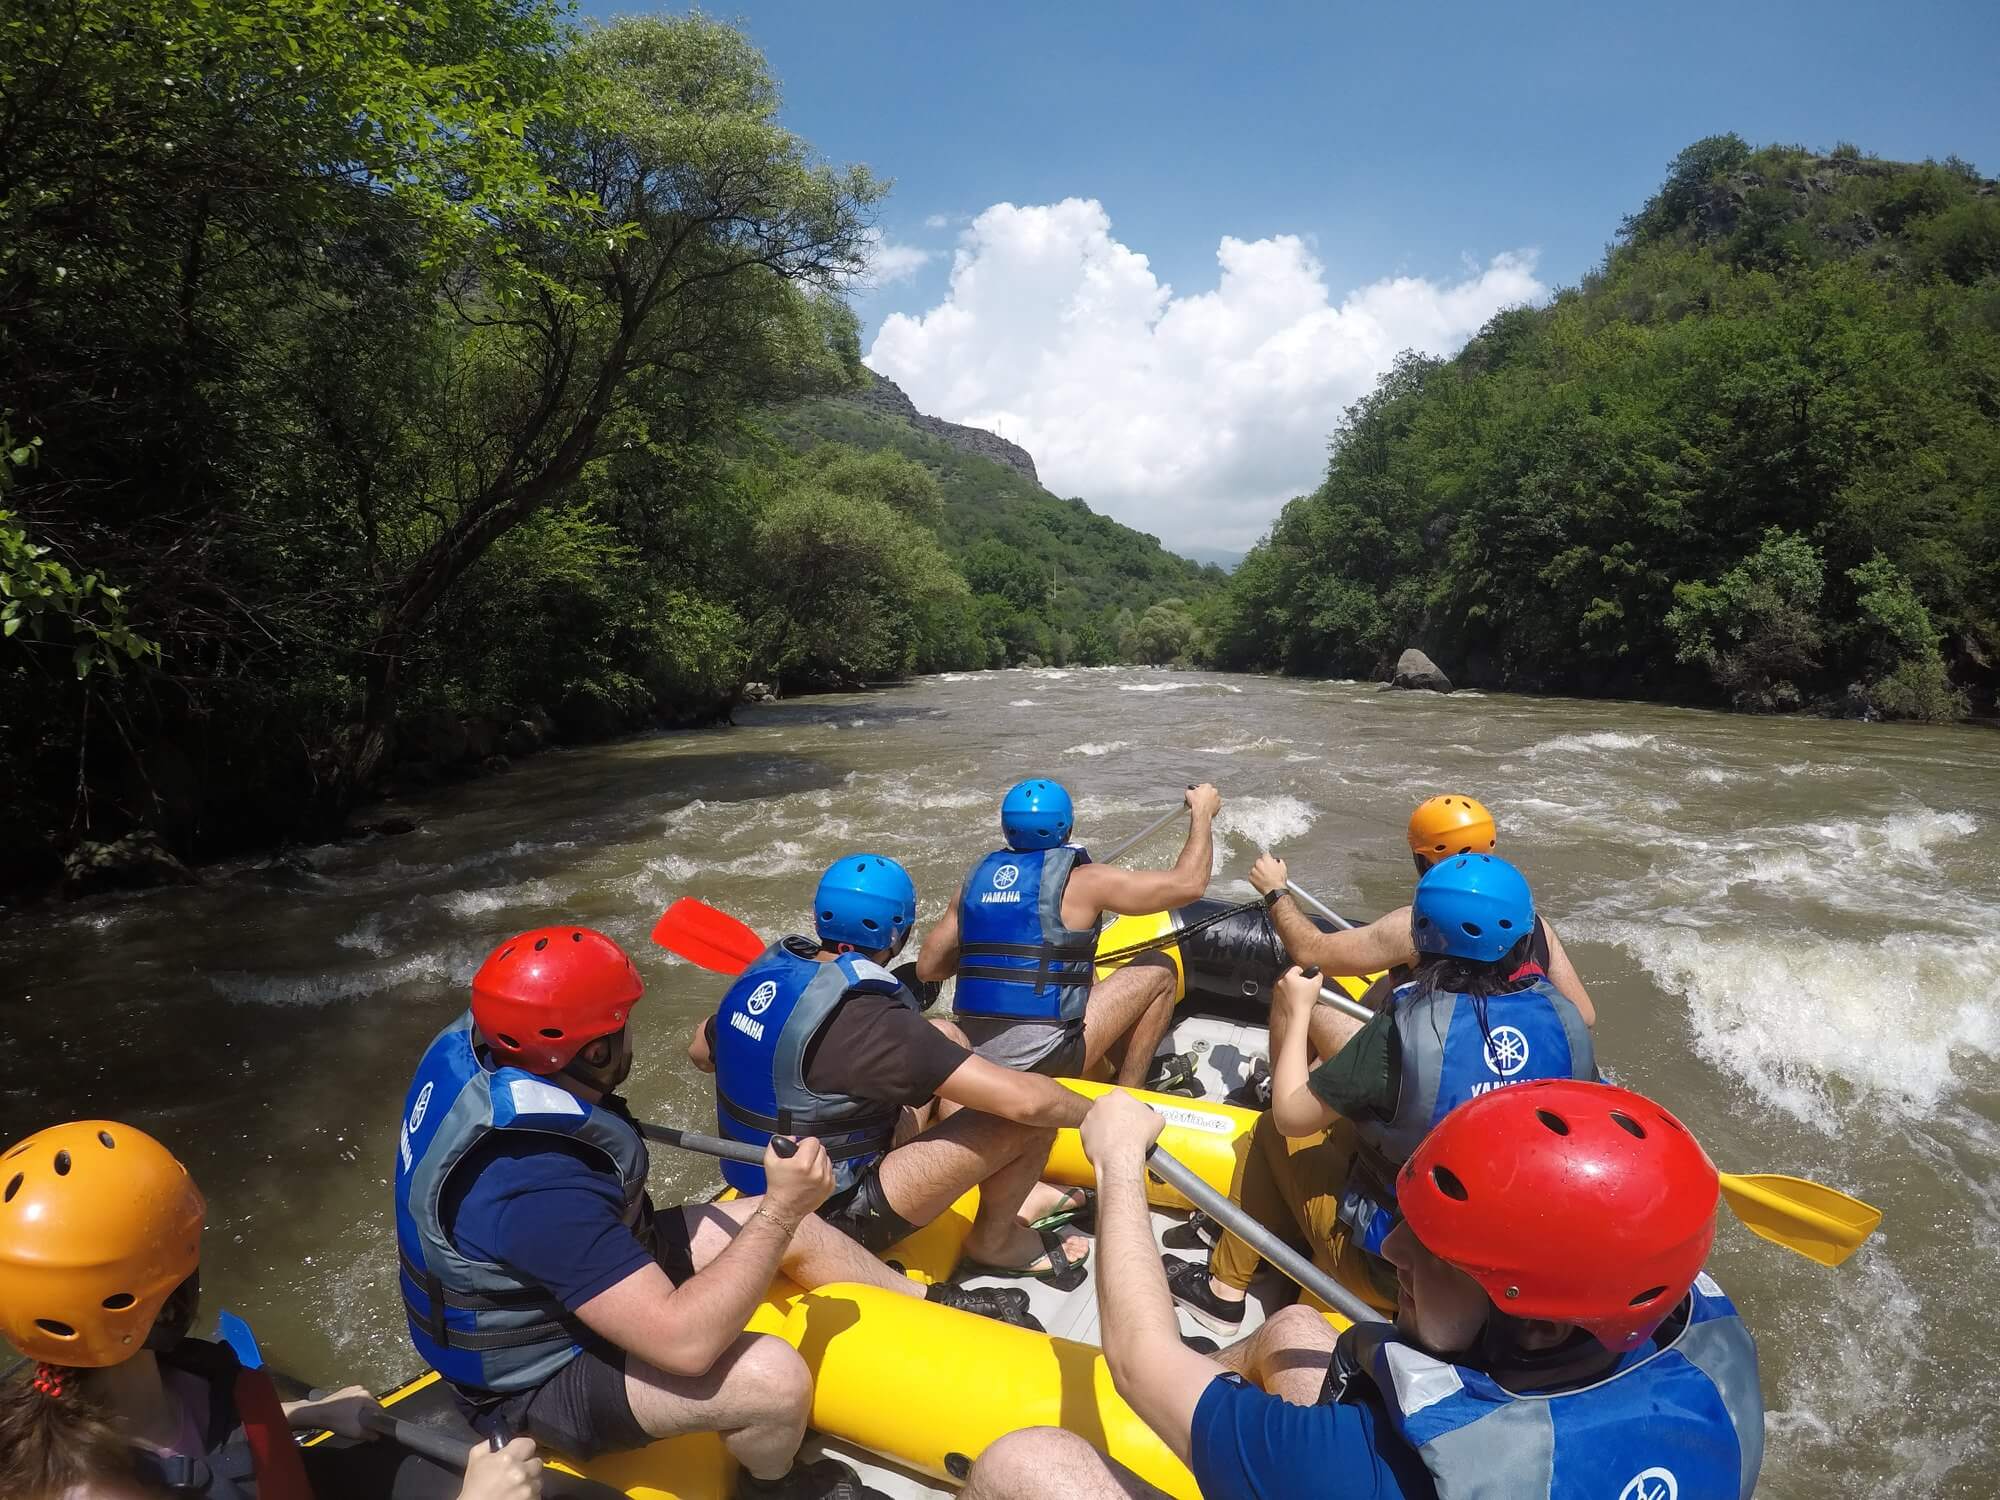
x,y
1143,834
1232,1217
1319,906
713,1145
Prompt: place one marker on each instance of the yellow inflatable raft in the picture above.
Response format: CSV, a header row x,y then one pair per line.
x,y
927,1386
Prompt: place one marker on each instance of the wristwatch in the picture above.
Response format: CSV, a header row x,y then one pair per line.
x,y
1271,896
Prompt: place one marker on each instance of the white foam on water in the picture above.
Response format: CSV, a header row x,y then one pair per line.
x,y
1049,674
1299,756
1592,743
1262,742
1720,776
1151,687
538,893
1108,747
436,965
1022,703
370,935
1262,822
957,677
1834,1033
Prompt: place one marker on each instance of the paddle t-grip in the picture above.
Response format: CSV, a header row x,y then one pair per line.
x,y
785,1146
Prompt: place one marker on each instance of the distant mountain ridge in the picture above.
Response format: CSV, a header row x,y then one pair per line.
x,y
883,395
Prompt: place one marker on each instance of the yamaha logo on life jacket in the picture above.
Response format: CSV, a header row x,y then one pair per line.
x,y
1003,892
761,997
1505,1053
1655,1483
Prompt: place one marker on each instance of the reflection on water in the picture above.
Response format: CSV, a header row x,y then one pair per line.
x,y
1792,930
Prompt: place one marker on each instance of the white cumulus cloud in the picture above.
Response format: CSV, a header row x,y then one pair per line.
x,y
891,260
1194,416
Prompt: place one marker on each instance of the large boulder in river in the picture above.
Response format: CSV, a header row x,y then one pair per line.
x,y
434,737
135,862
1416,670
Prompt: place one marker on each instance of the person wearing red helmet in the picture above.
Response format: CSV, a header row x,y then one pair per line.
x,y
537,1276
1556,1335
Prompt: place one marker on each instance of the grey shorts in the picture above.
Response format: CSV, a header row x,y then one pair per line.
x,y
582,1409
1054,1049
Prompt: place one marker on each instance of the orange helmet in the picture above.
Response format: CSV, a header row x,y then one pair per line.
x,y
98,1225
1451,825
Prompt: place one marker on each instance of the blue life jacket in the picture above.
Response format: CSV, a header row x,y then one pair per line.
x,y
1017,961
479,1323
1448,1057
766,1024
1679,1419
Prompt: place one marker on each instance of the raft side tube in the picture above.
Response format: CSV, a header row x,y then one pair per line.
x,y
1211,1139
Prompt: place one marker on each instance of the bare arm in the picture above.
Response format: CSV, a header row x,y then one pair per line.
x,y
937,960
699,1052
1096,889
684,1329
1159,1375
1025,1098
1563,975
1381,944
1295,1109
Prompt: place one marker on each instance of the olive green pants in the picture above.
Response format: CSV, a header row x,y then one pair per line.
x,y
1292,1186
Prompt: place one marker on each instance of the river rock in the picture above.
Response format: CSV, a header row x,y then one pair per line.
x,y
1416,670
758,692
493,765
522,738
434,737
483,737
135,862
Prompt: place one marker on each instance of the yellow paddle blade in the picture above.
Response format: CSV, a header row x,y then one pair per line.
x,y
1809,1217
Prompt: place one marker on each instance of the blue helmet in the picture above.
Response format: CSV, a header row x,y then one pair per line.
x,y
866,901
1036,815
1475,906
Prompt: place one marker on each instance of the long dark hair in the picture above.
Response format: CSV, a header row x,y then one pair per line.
x,y
56,1434
1477,980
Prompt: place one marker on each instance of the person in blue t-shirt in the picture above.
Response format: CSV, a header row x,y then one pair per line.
x,y
1555,1335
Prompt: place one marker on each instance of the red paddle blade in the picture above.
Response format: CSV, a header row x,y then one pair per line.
x,y
702,935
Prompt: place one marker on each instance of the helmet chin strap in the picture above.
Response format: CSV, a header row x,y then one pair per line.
x,y
1502,1352
177,1315
605,1079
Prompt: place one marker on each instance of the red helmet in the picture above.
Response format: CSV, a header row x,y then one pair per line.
x,y
544,996
1575,1202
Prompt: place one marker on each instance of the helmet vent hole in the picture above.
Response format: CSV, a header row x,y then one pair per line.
x,y
576,937
17,1150
509,1043
119,1301
1554,1122
870,923
62,1164
1670,1120
552,1033
54,1329
1472,929
507,951
1650,1294
105,1137
1506,925
1448,1184
540,944
1627,1124
14,1186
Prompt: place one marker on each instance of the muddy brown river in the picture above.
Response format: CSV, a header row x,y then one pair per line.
x,y
1791,929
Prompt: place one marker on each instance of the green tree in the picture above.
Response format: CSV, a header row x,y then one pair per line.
x,y
1906,674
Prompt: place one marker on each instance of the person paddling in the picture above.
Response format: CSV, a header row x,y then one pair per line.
x,y
100,1253
1440,827
1021,937
1478,1015
1556,1338
538,1278
818,1039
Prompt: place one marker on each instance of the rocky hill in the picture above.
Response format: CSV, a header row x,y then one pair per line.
x,y
883,395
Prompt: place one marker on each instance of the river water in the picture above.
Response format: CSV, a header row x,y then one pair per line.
x,y
1791,929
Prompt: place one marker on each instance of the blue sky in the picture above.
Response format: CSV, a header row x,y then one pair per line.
x,y
1343,146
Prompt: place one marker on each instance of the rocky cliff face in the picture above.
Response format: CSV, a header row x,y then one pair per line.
x,y
884,395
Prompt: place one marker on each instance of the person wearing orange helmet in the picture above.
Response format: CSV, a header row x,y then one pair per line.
x,y
1556,1335
100,1253
1440,827
537,1276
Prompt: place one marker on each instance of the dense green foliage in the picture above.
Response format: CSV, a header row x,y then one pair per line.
x,y
1753,458
362,371
1051,580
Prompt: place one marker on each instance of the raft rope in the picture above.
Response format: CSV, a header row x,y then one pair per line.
x,y
1173,935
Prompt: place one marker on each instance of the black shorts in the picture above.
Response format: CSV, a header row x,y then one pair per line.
x,y
582,1410
862,1213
